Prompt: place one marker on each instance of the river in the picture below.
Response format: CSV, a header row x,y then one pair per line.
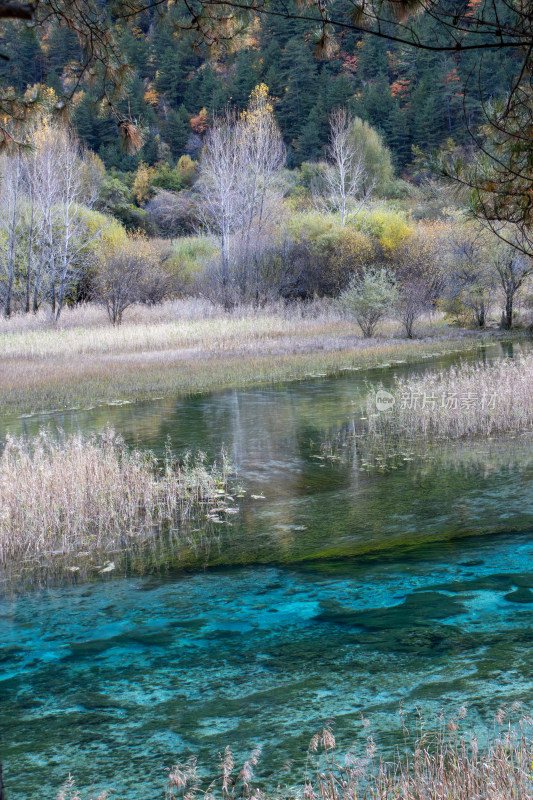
x,y
337,592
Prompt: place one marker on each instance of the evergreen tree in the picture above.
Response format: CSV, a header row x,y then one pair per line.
x,y
310,145
398,136
245,78
26,66
175,61
177,130
205,90
299,69
376,104
428,114
411,97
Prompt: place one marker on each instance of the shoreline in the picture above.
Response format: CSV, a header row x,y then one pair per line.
x,y
33,385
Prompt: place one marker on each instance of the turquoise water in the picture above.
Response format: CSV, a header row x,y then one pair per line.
x,y
294,620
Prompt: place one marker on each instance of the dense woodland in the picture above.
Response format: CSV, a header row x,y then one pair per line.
x,y
265,172
416,100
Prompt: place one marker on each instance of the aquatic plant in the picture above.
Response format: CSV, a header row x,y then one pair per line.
x,y
464,403
472,400
93,494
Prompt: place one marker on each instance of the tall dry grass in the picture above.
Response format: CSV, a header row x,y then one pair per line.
x,y
181,324
188,346
473,400
93,494
441,764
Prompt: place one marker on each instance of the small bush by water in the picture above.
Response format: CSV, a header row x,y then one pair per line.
x,y
94,494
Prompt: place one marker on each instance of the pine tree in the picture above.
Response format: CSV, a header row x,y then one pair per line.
x,y
299,69
245,78
398,136
176,131
376,104
314,137
206,90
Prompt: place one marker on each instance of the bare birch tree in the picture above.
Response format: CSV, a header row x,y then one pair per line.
x,y
239,172
347,184
220,186
43,178
11,196
45,235
71,223
262,157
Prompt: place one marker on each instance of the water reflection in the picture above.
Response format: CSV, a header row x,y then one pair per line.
x,y
314,508
116,679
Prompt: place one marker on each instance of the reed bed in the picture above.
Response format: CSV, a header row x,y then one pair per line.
x,y
216,333
441,764
472,400
175,325
187,346
94,495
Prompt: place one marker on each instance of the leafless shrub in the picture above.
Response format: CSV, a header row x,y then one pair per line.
x,y
172,214
414,300
130,273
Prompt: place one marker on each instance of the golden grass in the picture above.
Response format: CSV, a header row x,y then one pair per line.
x,y
188,346
441,764
92,494
190,326
472,400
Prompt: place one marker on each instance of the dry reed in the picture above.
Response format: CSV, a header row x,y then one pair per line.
x,y
185,324
473,400
189,346
441,764
94,494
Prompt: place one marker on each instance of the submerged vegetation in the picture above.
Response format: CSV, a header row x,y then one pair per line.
x,y
92,495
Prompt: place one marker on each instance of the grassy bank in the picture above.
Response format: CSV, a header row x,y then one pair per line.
x,y
188,346
91,495
442,763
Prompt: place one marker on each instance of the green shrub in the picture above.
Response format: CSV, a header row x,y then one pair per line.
x,y
189,257
369,296
388,225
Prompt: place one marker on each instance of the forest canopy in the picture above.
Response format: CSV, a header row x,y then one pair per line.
x,y
162,73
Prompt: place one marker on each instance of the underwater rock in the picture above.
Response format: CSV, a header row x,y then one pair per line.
x,y
499,582
417,609
523,580
521,595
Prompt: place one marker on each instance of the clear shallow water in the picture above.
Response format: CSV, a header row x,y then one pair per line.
x,y
117,679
